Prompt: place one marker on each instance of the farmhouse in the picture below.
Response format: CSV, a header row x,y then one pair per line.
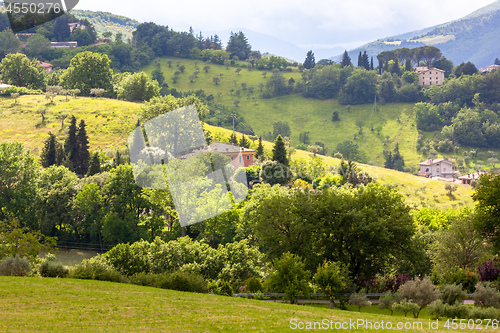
x,y
488,69
46,66
443,168
468,178
240,157
429,76
63,45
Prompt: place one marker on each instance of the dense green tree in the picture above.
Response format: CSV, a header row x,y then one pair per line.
x,y
346,60
238,46
48,156
157,75
89,213
349,150
279,151
88,71
275,173
360,87
276,86
18,182
61,28
37,45
465,68
327,82
244,142
281,128
290,277
488,208
332,278
9,43
445,64
138,87
19,71
82,37
310,62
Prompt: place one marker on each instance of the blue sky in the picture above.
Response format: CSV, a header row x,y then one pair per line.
x,y
308,24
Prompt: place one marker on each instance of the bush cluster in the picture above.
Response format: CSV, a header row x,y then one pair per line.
x,y
15,266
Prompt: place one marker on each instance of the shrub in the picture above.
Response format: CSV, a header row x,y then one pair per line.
x,y
129,259
184,281
486,296
421,292
457,275
406,306
221,287
15,266
457,310
96,268
387,302
53,270
360,300
254,285
450,294
483,313
488,270
436,309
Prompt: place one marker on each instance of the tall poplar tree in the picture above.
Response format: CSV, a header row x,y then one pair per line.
x,y
49,153
71,145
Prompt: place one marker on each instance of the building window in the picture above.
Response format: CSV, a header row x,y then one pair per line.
x,y
444,169
248,157
232,158
437,170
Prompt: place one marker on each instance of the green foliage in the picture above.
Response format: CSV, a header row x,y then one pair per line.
x,y
452,293
387,302
427,117
221,287
19,71
421,292
96,268
456,310
360,300
281,128
350,151
310,61
332,278
50,269
254,285
129,259
88,71
486,296
15,266
23,242
360,88
406,306
289,277
274,173
138,87
488,208
185,281
238,46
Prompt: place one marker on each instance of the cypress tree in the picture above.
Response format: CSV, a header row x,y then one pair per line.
x,y
360,60
71,145
371,64
346,60
310,62
365,61
117,160
408,65
233,139
244,142
95,165
83,159
279,151
260,149
60,154
49,153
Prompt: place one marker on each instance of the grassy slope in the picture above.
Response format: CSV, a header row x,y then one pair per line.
x,y
65,305
307,114
110,121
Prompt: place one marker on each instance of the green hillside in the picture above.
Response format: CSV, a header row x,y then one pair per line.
x,y
302,114
110,122
103,21
66,305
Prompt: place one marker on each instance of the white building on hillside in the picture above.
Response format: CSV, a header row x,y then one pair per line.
x,y
443,168
429,76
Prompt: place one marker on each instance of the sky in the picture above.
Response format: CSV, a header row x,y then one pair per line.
x,y
308,24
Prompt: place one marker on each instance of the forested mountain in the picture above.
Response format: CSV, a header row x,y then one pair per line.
x,y
473,38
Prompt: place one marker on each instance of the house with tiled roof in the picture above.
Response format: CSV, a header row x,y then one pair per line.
x,y
46,66
442,168
429,76
240,156
468,178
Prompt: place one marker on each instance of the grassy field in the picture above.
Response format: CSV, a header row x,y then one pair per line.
x,y
66,305
396,121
